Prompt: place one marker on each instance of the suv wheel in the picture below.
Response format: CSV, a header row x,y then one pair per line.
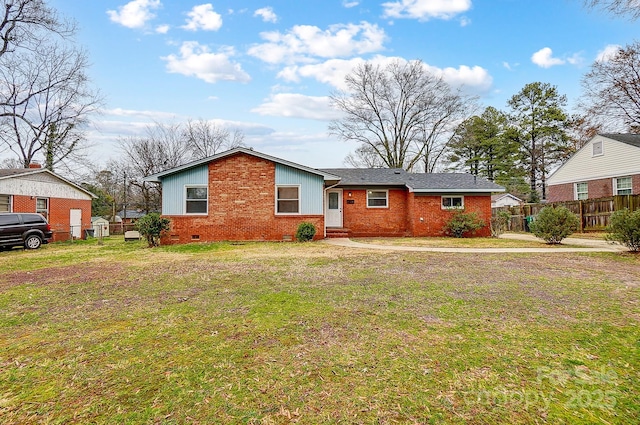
x,y
32,242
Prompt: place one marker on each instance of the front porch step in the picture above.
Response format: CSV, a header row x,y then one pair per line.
x,y
337,232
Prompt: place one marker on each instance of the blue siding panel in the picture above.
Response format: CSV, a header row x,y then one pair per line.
x,y
173,188
311,188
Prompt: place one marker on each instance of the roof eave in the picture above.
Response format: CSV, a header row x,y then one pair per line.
x,y
157,178
458,190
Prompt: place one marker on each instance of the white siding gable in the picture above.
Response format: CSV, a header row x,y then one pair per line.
x,y
42,185
617,159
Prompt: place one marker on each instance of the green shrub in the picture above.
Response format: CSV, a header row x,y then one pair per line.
x,y
461,223
499,223
152,226
554,224
306,231
625,229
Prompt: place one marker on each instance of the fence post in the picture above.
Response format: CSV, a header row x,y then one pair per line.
x,y
581,205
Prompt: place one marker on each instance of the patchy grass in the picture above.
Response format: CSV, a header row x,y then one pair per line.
x,y
461,242
310,333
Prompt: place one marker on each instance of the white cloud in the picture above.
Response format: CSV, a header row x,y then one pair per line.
x,y
163,29
350,4
134,14
464,21
474,79
293,105
203,17
608,52
304,42
197,60
267,14
544,58
425,9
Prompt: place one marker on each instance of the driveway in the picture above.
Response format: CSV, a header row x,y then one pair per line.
x,y
586,245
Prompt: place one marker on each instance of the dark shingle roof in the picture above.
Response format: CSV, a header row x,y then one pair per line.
x,y
369,176
417,182
6,172
423,182
629,139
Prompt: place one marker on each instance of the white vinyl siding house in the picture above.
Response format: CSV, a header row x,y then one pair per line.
x,y
617,160
610,158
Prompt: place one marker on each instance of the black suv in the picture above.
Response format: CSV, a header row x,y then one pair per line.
x,y
24,229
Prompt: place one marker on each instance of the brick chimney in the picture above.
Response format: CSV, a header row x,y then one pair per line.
x,y
35,165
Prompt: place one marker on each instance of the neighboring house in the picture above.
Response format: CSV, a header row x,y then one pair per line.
x,y
505,200
65,205
609,164
128,216
100,226
242,194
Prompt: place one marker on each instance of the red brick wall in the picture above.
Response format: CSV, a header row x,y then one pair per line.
x,y
364,222
597,189
429,208
59,213
402,218
241,206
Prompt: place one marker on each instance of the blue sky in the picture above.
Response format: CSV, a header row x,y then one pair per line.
x,y
267,67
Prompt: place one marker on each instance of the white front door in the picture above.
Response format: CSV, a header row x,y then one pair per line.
x,y
333,216
75,221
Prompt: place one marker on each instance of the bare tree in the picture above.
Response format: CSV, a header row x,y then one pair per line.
x,y
400,113
24,24
162,147
205,138
611,90
45,103
629,8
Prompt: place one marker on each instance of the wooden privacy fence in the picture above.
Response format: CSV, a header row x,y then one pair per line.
x,y
594,214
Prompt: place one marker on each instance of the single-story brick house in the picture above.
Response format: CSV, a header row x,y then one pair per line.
x,y
608,165
65,205
242,194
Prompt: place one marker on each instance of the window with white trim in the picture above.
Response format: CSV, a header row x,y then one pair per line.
x,y
597,148
196,200
42,207
377,198
5,203
287,199
622,186
582,191
452,202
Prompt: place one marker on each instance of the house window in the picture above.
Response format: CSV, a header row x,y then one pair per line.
x,y
377,198
582,191
196,200
5,203
597,148
42,207
287,199
452,202
622,186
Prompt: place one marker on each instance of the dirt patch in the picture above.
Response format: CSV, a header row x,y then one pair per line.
x,y
76,274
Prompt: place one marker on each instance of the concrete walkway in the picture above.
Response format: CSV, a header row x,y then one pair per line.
x,y
587,245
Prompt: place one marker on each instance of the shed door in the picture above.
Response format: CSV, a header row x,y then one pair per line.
x,y
75,221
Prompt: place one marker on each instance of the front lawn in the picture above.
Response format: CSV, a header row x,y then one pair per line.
x,y
275,333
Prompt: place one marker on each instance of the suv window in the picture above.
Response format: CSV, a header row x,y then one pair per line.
x,y
32,218
9,220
